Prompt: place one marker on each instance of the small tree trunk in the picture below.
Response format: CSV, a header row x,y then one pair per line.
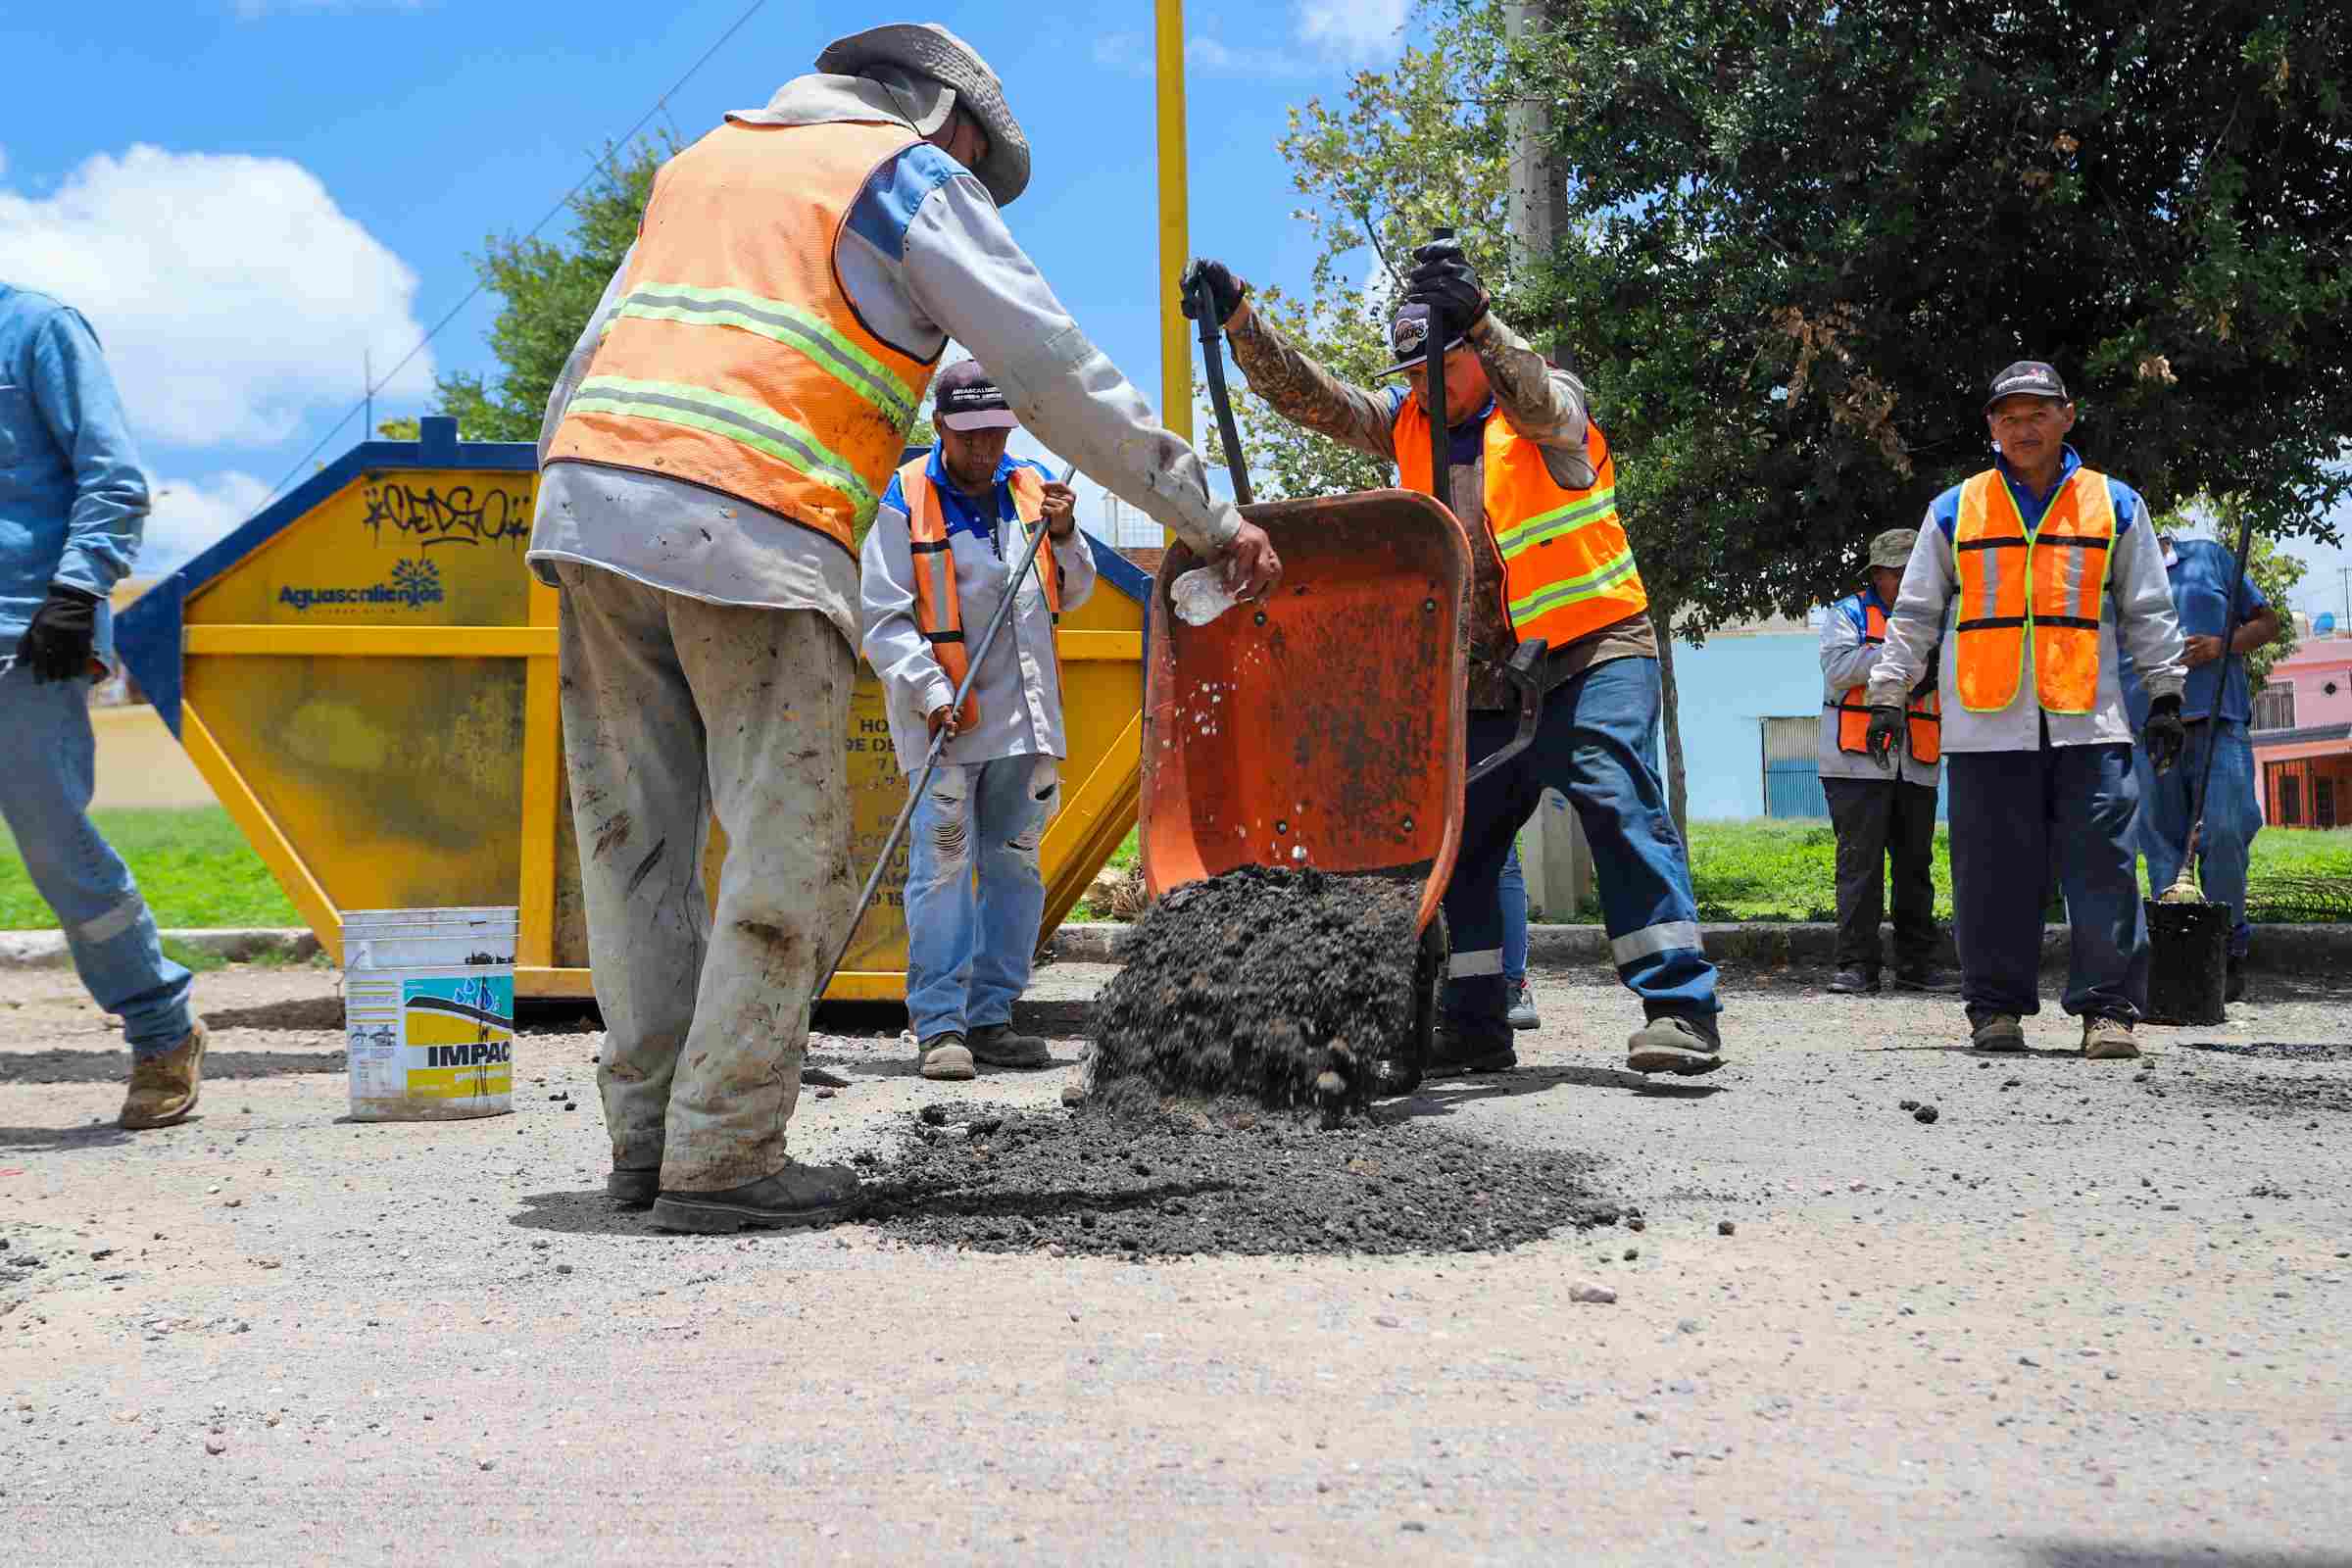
x,y
1677,785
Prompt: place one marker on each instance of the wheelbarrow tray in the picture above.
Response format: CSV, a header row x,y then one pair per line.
x,y
1325,727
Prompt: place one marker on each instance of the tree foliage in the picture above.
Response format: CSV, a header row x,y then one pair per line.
x,y
1808,232
549,290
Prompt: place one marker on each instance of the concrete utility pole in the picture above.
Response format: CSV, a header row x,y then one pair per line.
x,y
1552,846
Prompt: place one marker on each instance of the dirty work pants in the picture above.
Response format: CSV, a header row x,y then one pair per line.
x,y
674,709
2013,815
46,793
974,895
2233,816
1878,821
1595,746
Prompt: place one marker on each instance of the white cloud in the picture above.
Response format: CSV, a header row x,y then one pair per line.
x,y
235,298
192,514
1352,29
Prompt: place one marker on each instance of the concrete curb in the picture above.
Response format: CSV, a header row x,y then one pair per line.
x,y
2301,948
47,950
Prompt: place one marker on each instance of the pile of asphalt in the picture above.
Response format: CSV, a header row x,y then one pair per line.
x,y
1268,986
1184,1182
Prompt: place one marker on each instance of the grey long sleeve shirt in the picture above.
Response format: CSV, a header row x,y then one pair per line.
x,y
2135,614
925,256
1846,659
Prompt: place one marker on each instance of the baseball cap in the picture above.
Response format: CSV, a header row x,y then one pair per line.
x,y
967,398
1408,338
2026,378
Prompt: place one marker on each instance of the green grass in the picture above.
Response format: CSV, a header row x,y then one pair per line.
x,y
194,866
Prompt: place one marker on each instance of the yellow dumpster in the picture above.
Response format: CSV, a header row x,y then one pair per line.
x,y
365,674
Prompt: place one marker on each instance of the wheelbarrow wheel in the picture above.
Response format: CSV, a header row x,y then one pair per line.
x,y
1402,1073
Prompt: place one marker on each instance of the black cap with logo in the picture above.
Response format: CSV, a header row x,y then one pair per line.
x,y
2027,378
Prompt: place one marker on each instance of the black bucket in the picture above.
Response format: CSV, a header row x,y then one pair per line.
x,y
2189,962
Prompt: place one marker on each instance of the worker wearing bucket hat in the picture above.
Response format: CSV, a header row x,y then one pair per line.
x,y
713,451
1879,820
2034,577
1533,479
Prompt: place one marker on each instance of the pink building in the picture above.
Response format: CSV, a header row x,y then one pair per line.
x,y
2302,736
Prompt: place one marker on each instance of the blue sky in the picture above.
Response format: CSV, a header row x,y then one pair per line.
x,y
249,198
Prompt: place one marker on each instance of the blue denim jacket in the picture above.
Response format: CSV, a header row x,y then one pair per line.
x,y
2200,571
72,499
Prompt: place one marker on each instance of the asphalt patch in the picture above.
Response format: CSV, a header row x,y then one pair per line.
x,y
2274,1049
2272,1093
1195,1182
1280,988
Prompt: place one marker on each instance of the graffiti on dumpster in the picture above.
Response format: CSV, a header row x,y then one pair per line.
x,y
414,584
462,515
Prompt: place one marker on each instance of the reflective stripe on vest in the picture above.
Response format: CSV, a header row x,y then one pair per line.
x,y
734,359
1567,568
2051,584
1924,722
938,609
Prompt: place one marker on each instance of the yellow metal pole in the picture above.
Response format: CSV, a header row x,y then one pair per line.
x,y
1175,242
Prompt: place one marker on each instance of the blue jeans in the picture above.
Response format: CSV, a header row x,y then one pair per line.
x,y
2233,816
1513,887
971,918
2014,813
45,797
1596,745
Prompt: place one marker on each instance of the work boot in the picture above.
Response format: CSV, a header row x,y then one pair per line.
x,y
1674,1042
1458,1051
2108,1040
945,1056
1925,977
995,1045
1995,1031
2234,988
1855,981
796,1195
633,1188
1523,1008
164,1088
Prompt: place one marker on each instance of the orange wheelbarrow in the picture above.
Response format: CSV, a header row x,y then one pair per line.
x,y
1325,727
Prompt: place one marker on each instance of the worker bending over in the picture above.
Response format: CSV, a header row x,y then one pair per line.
x,y
2033,575
716,444
1532,481
1879,820
974,895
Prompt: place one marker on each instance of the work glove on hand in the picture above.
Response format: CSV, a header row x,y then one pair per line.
x,y
1441,276
57,642
1886,725
1224,290
2165,737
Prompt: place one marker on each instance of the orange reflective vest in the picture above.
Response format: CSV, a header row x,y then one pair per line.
x,y
1924,713
1567,570
734,358
938,614
2051,584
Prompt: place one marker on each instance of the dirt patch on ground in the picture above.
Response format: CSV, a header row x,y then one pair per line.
x,y
997,1180
2240,1075
1283,988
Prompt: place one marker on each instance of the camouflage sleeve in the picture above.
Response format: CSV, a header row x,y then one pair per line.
x,y
1306,394
1542,404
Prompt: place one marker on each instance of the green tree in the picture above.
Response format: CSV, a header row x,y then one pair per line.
x,y
549,291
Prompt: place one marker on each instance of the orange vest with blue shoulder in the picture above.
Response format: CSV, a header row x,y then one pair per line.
x,y
938,614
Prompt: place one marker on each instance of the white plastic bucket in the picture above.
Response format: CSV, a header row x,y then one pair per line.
x,y
428,1012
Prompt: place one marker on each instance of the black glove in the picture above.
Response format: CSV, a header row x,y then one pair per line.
x,y
57,642
1441,276
1878,741
2165,737
1224,290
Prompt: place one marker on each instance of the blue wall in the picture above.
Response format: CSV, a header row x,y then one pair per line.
x,y
1726,686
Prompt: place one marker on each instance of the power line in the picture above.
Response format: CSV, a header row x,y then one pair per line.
x,y
659,106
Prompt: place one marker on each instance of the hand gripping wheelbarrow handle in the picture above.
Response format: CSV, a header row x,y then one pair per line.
x,y
939,746
1212,360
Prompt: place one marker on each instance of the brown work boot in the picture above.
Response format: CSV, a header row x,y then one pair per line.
x,y
1674,1042
163,1087
996,1045
2108,1040
1995,1031
944,1056
796,1196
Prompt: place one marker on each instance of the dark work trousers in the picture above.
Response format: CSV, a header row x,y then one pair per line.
x,y
2013,815
1595,745
1879,820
